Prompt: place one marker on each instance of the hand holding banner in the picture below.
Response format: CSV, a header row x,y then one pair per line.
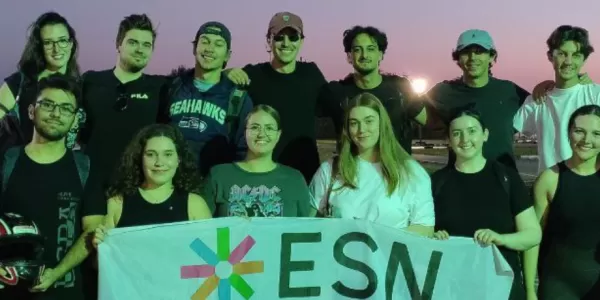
x,y
276,258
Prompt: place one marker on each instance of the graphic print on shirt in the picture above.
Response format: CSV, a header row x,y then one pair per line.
x,y
195,109
67,212
259,201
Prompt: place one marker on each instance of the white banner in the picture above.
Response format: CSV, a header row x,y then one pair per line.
x,y
279,258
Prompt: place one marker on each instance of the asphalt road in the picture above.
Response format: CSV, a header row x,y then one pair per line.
x,y
527,168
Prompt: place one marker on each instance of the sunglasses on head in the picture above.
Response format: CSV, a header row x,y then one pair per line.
x,y
292,37
122,99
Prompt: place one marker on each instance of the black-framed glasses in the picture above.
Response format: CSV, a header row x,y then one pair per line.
x,y
61,43
255,129
292,37
122,99
64,109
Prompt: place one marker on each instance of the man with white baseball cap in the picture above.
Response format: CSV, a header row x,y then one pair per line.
x,y
496,99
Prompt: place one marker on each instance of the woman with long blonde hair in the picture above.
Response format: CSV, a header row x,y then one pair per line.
x,y
373,178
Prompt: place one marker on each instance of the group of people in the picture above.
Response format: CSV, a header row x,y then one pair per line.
x,y
119,147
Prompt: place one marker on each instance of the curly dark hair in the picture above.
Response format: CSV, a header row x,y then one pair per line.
x,y
129,176
32,61
379,36
565,33
131,22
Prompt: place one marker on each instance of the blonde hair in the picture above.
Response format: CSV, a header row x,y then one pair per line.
x,y
392,156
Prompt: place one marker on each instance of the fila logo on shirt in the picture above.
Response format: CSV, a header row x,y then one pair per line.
x,y
139,96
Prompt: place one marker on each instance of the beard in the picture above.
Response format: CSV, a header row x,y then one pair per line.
x,y
50,134
131,65
365,71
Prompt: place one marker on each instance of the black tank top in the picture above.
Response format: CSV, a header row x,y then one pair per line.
x,y
574,217
137,211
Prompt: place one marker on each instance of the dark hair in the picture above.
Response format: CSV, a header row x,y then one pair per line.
x,y
492,52
131,22
466,110
32,61
586,110
379,36
62,82
267,109
566,33
129,175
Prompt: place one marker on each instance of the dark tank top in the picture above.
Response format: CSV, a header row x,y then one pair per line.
x,y
574,217
137,211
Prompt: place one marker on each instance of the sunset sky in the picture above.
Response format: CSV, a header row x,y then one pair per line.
x,y
422,34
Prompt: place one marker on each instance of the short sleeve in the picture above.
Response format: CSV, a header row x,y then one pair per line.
x,y
421,210
520,199
14,83
413,104
303,194
524,119
522,94
319,185
250,70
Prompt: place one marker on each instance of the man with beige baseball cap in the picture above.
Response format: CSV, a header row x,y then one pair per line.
x,y
296,89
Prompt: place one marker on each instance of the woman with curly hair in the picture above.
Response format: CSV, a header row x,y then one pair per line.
x,y
155,182
373,178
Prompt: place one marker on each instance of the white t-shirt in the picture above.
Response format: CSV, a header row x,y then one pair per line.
x,y
550,121
410,204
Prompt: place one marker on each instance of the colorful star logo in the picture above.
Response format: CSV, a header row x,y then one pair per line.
x,y
224,268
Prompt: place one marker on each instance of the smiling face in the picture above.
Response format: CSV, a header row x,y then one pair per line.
x,y
567,61
211,52
262,133
160,161
475,61
366,55
57,46
467,137
136,50
584,136
363,127
286,45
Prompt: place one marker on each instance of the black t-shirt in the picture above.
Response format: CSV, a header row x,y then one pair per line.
x,y
497,101
299,98
396,95
469,202
52,196
138,212
108,131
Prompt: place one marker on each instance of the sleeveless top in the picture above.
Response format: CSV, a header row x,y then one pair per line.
x,y
137,211
574,216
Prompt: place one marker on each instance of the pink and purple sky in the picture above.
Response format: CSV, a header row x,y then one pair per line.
x,y
422,34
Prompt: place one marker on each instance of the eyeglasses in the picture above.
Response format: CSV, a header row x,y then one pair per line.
x,y
123,99
281,37
256,129
66,110
62,43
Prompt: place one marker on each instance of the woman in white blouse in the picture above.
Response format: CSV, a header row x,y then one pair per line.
x,y
375,178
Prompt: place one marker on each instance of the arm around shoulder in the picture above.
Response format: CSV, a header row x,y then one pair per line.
x,y
7,99
197,208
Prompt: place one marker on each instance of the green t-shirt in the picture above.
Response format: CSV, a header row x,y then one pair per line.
x,y
232,191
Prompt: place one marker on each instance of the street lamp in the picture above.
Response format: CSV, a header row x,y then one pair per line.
x,y
419,86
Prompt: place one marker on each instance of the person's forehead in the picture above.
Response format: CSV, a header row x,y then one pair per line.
x,y
139,35
212,37
160,143
261,118
362,112
54,31
364,39
58,96
288,31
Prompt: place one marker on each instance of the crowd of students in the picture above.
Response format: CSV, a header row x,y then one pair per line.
x,y
215,142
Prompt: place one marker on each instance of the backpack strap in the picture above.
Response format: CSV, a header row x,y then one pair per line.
x,y
500,171
82,162
10,159
334,173
234,107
